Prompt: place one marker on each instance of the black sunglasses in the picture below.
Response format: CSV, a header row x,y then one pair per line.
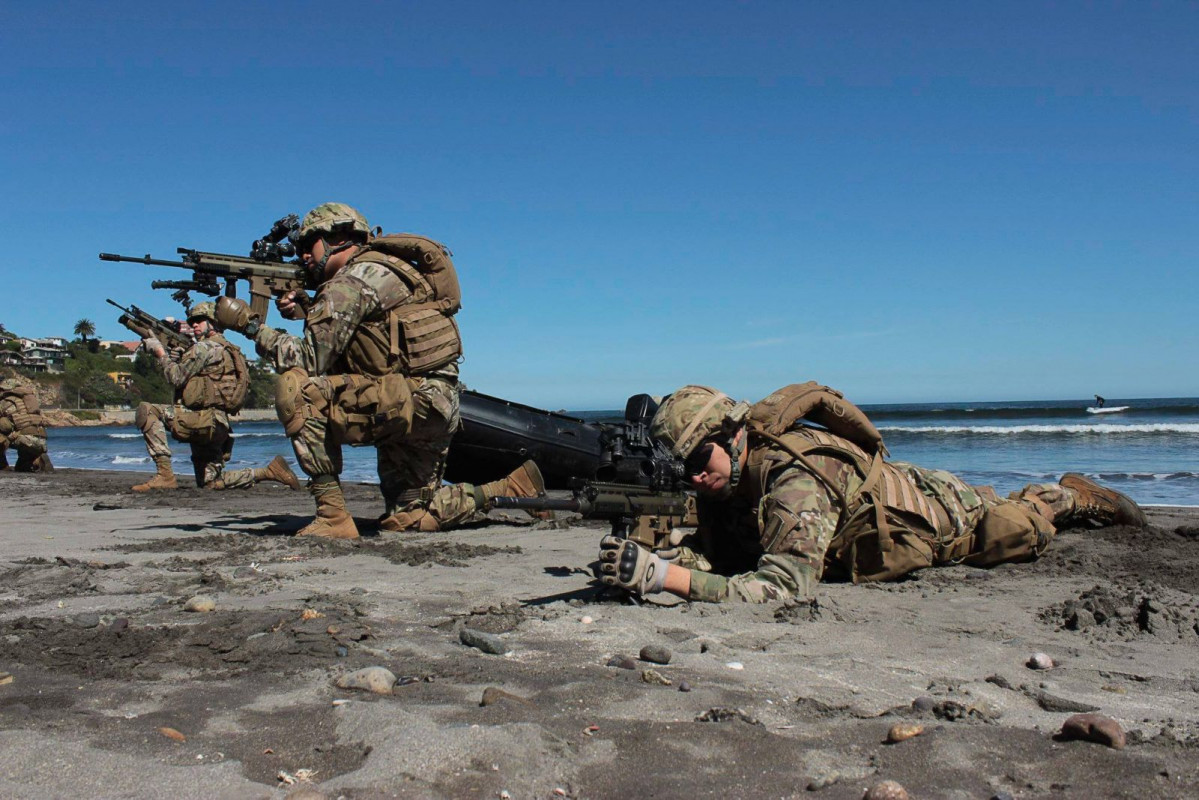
x,y
697,462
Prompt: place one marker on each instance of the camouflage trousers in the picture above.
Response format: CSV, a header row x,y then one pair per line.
x,y
410,466
29,450
968,511
208,457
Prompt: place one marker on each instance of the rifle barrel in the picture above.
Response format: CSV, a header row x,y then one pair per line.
x,y
146,259
537,503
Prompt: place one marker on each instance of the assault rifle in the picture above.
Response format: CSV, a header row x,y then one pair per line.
x,y
645,514
267,269
148,326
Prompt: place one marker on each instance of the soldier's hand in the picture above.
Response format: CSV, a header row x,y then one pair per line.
x,y
153,347
630,566
289,305
232,312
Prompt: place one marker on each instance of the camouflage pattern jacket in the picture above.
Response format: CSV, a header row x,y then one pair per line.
x,y
357,296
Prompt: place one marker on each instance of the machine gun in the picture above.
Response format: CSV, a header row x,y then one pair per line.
x,y
645,514
148,326
267,269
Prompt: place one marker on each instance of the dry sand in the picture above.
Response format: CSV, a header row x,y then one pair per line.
x,y
102,655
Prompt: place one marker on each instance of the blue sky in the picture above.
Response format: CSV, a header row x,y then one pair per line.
x,y
907,201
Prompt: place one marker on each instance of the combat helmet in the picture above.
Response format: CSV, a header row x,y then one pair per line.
x,y
697,414
327,219
205,310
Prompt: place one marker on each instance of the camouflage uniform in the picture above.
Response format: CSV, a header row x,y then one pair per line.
x,y
410,465
809,503
736,535
206,356
20,428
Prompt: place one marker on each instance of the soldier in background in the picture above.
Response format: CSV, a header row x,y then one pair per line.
x,y
783,504
377,364
211,379
22,427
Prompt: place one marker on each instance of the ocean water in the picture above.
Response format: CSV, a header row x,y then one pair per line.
x,y
1150,451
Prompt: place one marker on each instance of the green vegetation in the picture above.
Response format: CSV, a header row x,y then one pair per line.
x,y
86,382
85,328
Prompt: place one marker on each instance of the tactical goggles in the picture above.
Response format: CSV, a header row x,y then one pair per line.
x,y
697,462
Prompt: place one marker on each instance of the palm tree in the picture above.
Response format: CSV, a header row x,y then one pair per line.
x,y
85,328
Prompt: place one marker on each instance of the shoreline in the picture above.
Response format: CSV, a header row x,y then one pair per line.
x,y
784,699
65,418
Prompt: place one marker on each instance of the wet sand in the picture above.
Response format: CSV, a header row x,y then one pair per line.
x,y
787,700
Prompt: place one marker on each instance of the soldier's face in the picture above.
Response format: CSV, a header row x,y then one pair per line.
x,y
714,477
200,328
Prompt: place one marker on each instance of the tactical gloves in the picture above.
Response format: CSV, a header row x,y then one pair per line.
x,y
630,566
236,314
153,347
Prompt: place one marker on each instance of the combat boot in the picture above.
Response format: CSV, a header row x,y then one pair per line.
x,y
165,479
1101,505
524,481
279,472
332,521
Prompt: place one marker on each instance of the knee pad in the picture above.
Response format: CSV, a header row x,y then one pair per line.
x,y
144,416
294,395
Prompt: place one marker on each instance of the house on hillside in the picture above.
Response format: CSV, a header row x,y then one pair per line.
x,y
124,351
44,355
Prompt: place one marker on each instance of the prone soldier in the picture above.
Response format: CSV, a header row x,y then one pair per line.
x,y
377,364
211,379
783,504
22,427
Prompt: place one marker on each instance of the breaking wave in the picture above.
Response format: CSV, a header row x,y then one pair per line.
x,y
1009,430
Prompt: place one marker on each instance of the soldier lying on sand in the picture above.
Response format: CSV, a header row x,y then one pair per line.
x,y
783,504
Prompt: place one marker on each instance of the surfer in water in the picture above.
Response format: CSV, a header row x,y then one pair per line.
x,y
1099,401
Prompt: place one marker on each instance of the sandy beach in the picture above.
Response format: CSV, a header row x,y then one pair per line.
x,y
117,691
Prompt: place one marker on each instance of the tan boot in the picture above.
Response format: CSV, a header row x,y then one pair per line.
x,y
1101,504
279,472
524,481
417,519
165,479
332,521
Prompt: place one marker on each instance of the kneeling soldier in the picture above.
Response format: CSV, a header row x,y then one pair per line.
x,y
377,365
211,379
22,427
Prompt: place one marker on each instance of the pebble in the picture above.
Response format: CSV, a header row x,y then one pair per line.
x,y
201,603
684,686
623,662
735,665
172,734
586,620
119,624
887,790
924,703
656,654
487,642
379,680
1040,661
655,677
87,620
902,731
246,572
1094,728
1002,796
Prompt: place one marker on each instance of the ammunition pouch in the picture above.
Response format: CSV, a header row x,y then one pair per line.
x,y
369,409
1009,532
193,426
